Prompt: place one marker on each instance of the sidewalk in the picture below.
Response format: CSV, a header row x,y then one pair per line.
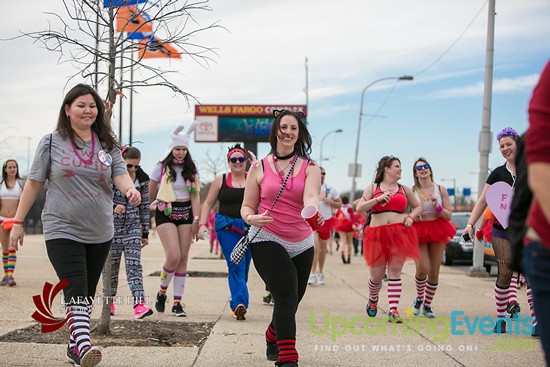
x,y
336,312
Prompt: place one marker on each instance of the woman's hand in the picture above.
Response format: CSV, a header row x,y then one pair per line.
x,y
252,158
16,237
202,230
119,209
408,220
260,220
385,197
144,242
469,229
133,196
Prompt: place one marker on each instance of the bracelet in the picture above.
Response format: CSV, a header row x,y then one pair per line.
x,y
408,216
376,198
17,225
469,224
248,218
364,198
18,222
439,209
195,219
203,225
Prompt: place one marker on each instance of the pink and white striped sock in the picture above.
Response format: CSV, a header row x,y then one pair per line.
x,y
531,307
501,301
513,290
420,287
374,290
430,293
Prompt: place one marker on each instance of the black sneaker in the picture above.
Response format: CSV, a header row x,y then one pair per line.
x,y
160,304
178,311
272,351
287,364
535,331
500,327
90,357
72,355
267,298
513,309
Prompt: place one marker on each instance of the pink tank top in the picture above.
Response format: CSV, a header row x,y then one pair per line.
x,y
288,224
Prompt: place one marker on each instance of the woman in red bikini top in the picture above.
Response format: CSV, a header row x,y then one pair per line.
x,y
390,238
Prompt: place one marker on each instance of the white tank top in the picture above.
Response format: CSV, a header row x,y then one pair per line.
x,y
427,206
10,194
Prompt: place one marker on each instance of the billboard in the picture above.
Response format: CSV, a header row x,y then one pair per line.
x,y
237,123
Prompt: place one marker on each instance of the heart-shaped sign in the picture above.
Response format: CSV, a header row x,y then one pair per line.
x,y
499,198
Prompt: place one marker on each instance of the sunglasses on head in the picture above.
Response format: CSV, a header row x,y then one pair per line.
x,y
421,167
137,166
239,159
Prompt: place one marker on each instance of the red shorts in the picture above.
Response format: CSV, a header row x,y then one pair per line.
x,y
326,228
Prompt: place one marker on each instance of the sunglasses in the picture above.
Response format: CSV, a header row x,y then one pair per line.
x,y
421,167
137,166
239,159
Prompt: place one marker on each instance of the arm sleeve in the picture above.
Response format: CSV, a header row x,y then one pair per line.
x,y
41,163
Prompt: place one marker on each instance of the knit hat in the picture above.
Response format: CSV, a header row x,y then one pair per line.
x,y
178,138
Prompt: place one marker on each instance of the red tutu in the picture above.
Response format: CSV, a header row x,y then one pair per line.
x,y
435,231
389,241
487,228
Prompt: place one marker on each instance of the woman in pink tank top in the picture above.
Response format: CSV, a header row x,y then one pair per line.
x,y
283,250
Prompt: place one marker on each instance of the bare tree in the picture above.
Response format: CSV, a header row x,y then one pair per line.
x,y
214,164
86,37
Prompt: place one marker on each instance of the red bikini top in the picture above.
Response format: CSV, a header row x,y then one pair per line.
x,y
397,204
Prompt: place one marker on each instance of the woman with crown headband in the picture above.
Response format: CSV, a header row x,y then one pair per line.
x,y
81,161
174,182
505,295
283,250
230,227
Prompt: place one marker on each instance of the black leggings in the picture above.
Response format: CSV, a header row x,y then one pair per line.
x,y
80,264
286,278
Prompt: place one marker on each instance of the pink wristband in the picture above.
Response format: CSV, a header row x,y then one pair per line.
x,y
439,209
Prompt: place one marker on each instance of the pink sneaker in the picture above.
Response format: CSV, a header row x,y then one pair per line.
x,y
112,309
140,311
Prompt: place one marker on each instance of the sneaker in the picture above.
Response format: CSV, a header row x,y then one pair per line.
x,y
90,357
500,327
5,281
416,306
178,311
535,331
287,364
112,309
427,311
513,309
320,278
272,302
267,298
372,308
393,316
11,282
160,304
72,355
140,311
272,351
240,312
312,279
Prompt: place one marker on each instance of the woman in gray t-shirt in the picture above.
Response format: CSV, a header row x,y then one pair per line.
x,y
81,161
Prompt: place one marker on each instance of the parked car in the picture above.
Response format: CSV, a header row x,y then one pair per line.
x,y
458,250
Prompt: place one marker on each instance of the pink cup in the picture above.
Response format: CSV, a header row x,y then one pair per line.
x,y
311,215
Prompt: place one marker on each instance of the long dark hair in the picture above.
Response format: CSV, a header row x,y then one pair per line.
x,y
101,126
189,168
5,174
384,162
303,145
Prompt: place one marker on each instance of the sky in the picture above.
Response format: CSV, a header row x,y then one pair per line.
x,y
260,59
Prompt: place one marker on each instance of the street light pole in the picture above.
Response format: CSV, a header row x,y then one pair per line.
x,y
323,140
354,169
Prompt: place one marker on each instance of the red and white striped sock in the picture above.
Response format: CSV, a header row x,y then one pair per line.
x,y
501,301
374,290
531,307
513,290
394,293
420,287
430,293
287,351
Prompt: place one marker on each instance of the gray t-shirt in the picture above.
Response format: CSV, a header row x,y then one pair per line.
x,y
79,199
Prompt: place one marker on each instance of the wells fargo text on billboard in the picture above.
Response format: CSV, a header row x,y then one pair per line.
x,y
237,123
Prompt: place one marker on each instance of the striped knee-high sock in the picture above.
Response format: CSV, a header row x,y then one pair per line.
x,y
12,259
5,256
374,290
287,351
420,286
430,293
165,279
179,286
513,290
72,343
501,300
394,293
270,335
531,307
78,320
